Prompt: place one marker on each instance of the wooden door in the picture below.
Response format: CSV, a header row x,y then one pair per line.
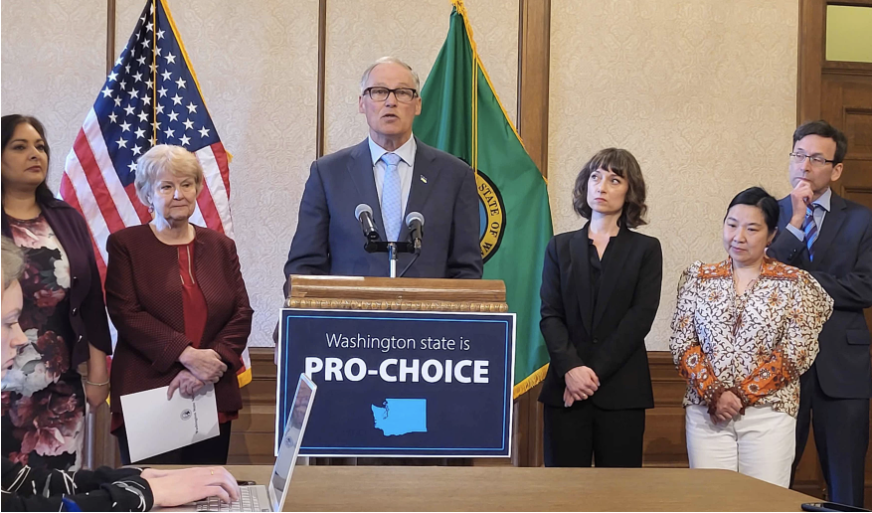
x,y
841,93
847,104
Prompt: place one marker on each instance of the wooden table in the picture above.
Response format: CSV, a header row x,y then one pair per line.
x,y
384,488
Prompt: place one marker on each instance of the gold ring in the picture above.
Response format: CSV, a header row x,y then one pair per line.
x,y
213,472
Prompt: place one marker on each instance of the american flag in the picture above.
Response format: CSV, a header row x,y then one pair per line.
x,y
150,97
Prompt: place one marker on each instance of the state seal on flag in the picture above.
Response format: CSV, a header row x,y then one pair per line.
x,y
492,215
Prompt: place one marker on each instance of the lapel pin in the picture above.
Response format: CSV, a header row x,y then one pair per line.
x,y
423,178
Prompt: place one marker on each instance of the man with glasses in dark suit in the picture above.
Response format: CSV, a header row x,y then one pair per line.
x,y
831,238
395,174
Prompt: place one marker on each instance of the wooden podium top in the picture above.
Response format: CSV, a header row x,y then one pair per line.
x,y
384,488
413,294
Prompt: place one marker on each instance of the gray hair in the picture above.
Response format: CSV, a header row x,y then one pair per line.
x,y
13,262
179,162
389,60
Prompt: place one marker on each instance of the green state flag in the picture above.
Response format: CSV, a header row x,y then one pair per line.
x,y
462,115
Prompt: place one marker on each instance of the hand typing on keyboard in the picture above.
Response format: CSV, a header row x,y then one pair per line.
x,y
175,487
247,502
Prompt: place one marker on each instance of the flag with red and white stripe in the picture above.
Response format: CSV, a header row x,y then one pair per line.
x,y
150,97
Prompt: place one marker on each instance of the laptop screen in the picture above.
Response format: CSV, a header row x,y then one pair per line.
x,y
290,442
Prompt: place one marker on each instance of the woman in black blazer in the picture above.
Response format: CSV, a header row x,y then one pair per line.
x,y
600,293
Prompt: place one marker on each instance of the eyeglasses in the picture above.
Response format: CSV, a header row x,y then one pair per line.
x,y
816,160
380,94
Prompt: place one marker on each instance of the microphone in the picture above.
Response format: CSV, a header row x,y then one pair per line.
x,y
415,222
363,213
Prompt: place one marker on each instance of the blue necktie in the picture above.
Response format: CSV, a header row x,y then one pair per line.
x,y
810,229
392,197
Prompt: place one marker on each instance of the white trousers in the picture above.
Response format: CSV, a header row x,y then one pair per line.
x,y
761,443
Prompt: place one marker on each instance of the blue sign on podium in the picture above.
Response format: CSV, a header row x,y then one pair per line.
x,y
410,384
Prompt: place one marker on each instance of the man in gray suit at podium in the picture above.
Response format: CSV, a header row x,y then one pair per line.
x,y
395,174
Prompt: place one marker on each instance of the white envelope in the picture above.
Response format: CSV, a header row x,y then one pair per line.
x,y
156,425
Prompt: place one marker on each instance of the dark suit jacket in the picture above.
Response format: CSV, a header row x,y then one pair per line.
x,y
87,311
843,266
144,296
329,239
610,338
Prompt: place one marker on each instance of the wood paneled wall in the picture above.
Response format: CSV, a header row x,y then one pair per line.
x,y
253,436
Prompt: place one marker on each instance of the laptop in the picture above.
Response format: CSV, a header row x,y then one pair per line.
x,y
272,496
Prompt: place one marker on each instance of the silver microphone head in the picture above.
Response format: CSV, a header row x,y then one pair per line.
x,y
414,216
363,207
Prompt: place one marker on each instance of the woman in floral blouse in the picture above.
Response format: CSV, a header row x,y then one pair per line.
x,y
64,318
744,330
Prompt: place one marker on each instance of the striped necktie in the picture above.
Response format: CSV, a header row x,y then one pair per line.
x,y
392,197
810,229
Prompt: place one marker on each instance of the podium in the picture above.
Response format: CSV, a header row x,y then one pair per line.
x,y
405,367
403,294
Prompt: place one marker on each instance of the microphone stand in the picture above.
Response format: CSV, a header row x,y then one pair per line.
x,y
392,256
392,249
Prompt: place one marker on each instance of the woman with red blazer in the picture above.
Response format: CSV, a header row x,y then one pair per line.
x,y
176,295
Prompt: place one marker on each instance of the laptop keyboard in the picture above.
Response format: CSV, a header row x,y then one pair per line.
x,y
247,502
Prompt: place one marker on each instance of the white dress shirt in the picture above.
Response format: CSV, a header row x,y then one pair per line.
x,y
405,167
